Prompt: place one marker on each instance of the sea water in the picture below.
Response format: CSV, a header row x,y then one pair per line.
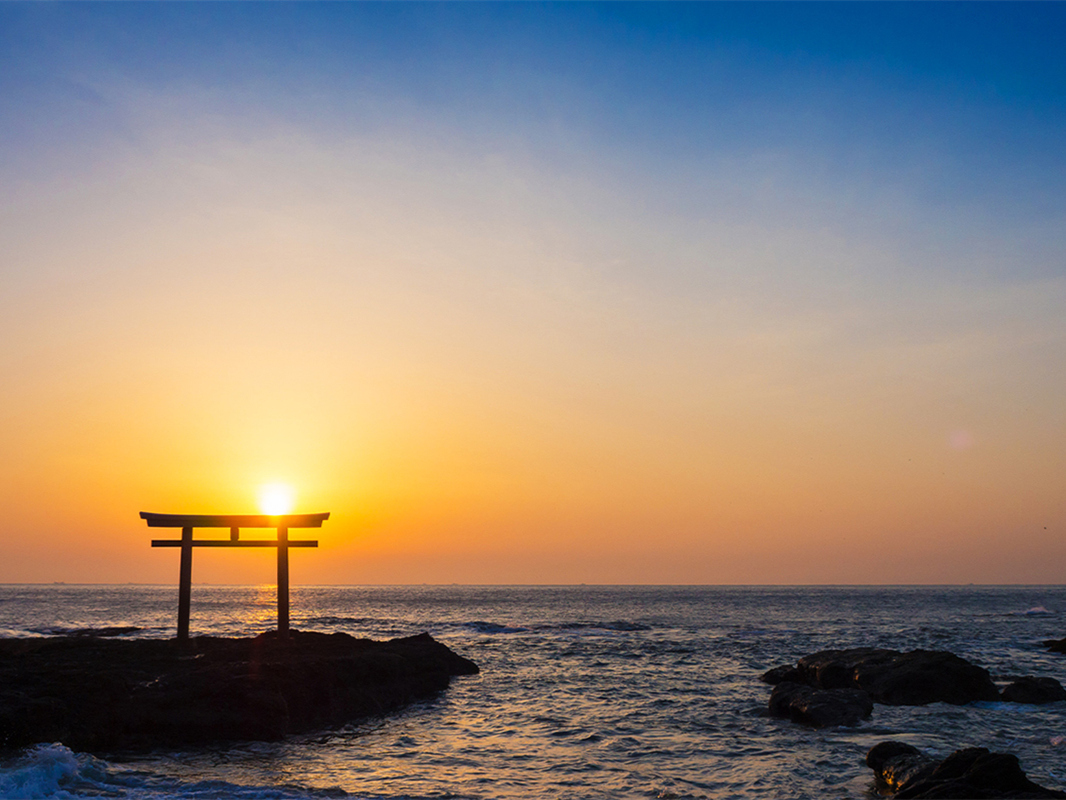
x,y
585,691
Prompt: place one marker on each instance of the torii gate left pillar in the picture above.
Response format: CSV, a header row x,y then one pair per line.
x,y
234,522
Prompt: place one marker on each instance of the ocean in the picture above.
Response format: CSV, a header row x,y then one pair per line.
x,y
584,691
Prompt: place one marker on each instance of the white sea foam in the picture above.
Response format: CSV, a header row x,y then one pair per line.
x,y
1035,611
54,771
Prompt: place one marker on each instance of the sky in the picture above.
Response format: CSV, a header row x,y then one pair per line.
x,y
537,293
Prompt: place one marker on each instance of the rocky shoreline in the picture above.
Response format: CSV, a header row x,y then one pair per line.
x,y
840,687
103,695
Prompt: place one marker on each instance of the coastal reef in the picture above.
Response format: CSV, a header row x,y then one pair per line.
x,y
904,771
891,677
102,695
839,687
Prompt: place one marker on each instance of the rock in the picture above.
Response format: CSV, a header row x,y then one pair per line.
x,y
97,695
897,763
892,677
1033,690
905,772
786,672
820,708
1055,645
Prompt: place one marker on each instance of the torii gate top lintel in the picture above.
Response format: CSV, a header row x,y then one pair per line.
x,y
234,520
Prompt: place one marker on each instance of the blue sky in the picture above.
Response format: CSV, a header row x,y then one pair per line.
x,y
869,86
955,109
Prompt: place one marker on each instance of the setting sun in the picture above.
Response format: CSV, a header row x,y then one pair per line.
x,y
276,498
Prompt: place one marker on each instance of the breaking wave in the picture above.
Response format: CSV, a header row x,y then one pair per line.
x,y
55,771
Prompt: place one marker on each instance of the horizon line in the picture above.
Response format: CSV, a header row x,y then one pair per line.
x,y
554,585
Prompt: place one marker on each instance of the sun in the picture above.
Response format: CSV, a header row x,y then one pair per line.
x,y
276,498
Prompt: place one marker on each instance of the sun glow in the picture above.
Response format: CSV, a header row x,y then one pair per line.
x,y
276,498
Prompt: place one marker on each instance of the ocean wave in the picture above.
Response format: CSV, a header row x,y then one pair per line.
x,y
55,771
623,626
1000,705
492,627
330,620
1035,611
58,630
52,770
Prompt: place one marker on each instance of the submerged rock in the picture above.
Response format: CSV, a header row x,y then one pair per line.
x,y
820,708
97,695
905,772
1032,690
892,677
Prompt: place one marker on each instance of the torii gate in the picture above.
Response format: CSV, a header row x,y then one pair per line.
x,y
234,522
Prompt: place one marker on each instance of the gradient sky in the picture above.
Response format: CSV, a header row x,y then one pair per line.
x,y
537,293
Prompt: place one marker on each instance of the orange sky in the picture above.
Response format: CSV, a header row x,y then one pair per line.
x,y
498,358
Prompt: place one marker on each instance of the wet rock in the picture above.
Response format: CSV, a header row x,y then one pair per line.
x,y
786,672
1055,645
96,694
896,764
819,708
893,677
905,772
1032,690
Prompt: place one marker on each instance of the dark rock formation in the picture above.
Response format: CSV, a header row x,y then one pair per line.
x,y
906,772
99,695
892,677
1033,690
820,708
1055,645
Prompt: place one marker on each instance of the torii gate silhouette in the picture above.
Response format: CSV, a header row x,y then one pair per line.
x,y
282,522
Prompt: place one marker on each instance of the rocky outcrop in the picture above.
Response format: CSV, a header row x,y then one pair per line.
x,y
892,677
104,694
1036,691
820,708
905,772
